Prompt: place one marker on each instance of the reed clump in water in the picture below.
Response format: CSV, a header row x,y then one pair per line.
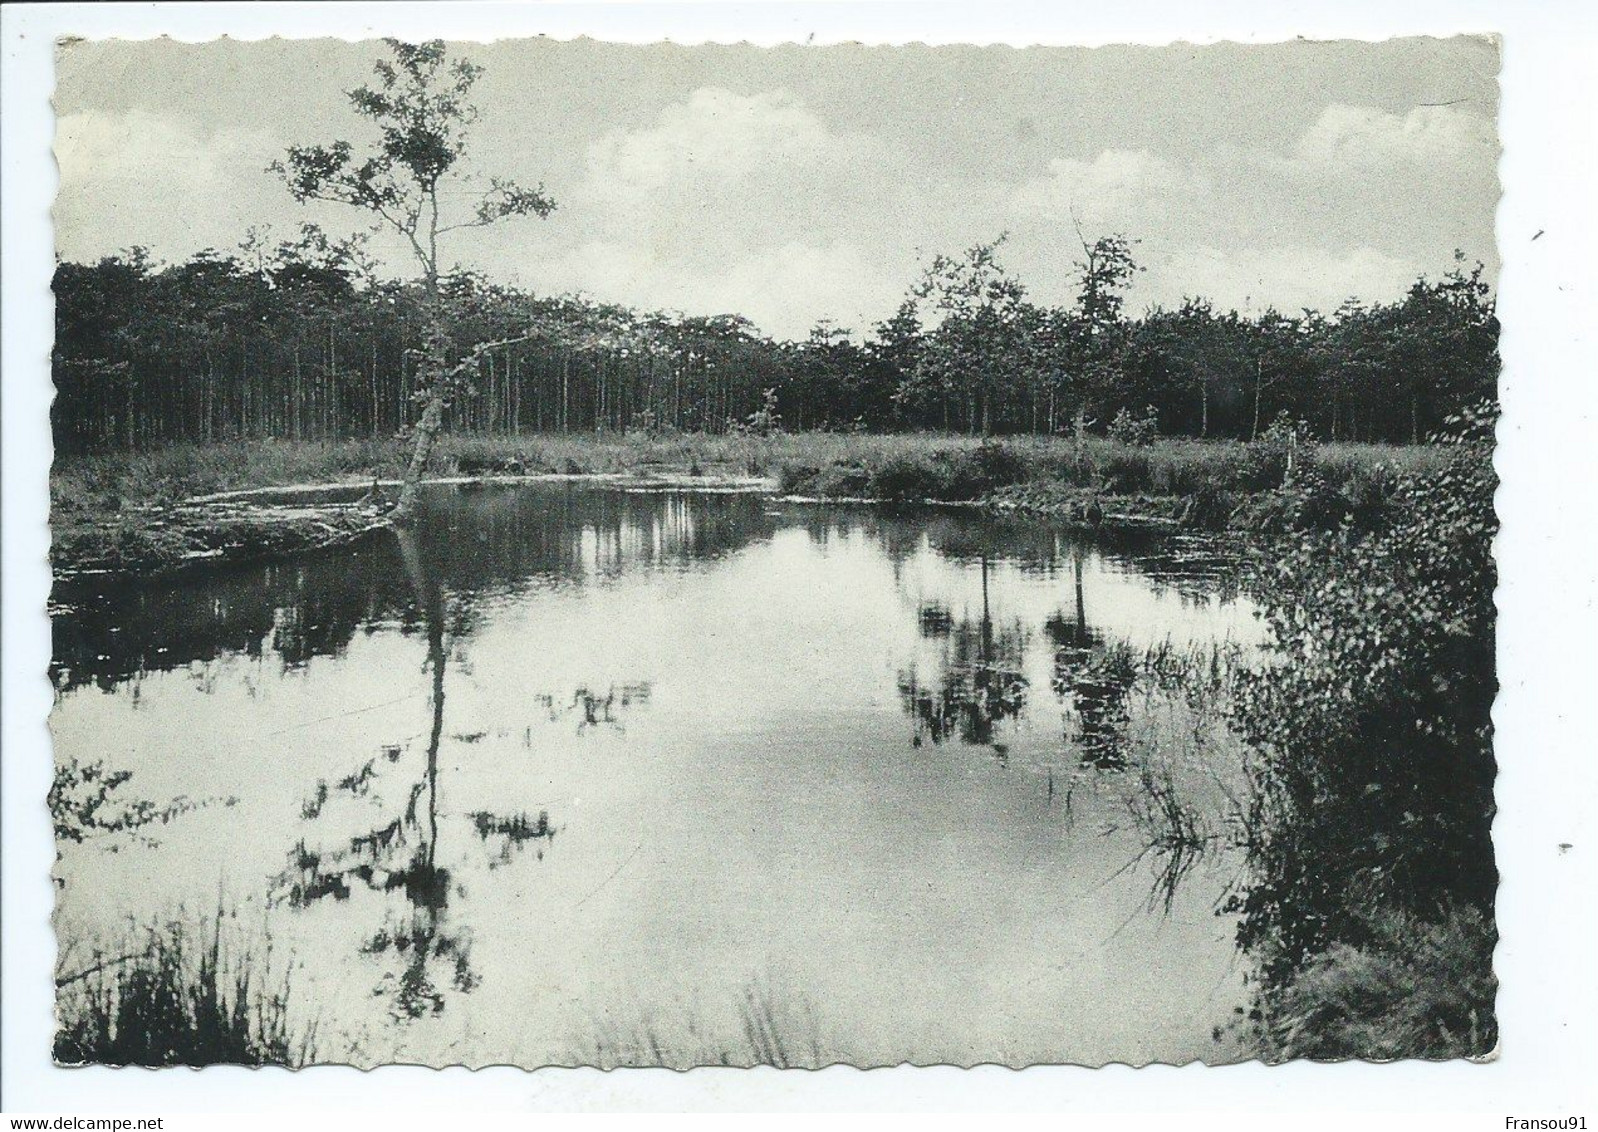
x,y
179,993
765,1028
518,827
1176,833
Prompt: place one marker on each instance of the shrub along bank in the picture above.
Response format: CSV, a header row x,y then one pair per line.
x,y
1370,905
1283,482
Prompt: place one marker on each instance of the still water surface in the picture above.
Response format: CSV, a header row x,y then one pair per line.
x,y
573,774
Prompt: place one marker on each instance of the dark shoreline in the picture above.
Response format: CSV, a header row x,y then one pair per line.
x,y
165,512
259,524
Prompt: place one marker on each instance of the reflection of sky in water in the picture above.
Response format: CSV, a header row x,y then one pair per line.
x,y
703,693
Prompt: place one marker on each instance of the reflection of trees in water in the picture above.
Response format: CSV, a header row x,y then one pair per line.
x,y
511,833
494,538
1197,568
934,619
477,542
1092,678
898,537
981,679
312,606
969,699
1094,684
593,710
963,534
489,541
979,683
400,856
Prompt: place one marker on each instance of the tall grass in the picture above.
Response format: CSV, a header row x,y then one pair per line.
x,y
1411,989
1187,766
177,994
1202,670
765,1028
111,482
116,480
1176,834
1046,473
888,466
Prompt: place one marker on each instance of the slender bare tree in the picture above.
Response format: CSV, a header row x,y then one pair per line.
x,y
421,106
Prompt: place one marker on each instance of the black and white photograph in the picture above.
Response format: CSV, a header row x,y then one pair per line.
x,y
585,554
650,551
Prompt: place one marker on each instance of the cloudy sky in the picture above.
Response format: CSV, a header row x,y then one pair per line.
x,y
797,184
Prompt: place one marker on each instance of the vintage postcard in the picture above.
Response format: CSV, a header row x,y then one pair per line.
x,y
589,554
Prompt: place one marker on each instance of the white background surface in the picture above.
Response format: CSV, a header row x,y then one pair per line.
x,y
1547,741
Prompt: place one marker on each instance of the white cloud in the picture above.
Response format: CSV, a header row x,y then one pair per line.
x,y
1363,137
1285,277
145,148
1359,203
1115,187
758,204
716,138
140,178
728,203
783,289
786,290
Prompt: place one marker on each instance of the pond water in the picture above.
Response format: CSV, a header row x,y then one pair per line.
x,y
573,775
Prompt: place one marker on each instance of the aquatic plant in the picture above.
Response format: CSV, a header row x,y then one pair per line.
x,y
87,801
764,1027
1176,832
183,992
517,827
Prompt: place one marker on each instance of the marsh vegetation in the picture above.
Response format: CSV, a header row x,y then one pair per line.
x,y
1129,718
758,751
192,990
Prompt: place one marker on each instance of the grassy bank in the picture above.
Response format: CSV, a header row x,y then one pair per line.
x,y
113,482
895,466
1411,987
122,511
1211,485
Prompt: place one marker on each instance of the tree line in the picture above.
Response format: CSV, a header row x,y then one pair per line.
x,y
302,340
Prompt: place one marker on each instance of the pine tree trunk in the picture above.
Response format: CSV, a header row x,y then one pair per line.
x,y
565,392
1259,377
376,400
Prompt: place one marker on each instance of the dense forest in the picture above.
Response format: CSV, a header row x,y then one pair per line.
x,y
302,339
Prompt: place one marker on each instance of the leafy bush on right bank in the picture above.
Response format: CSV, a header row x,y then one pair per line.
x,y
1373,790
